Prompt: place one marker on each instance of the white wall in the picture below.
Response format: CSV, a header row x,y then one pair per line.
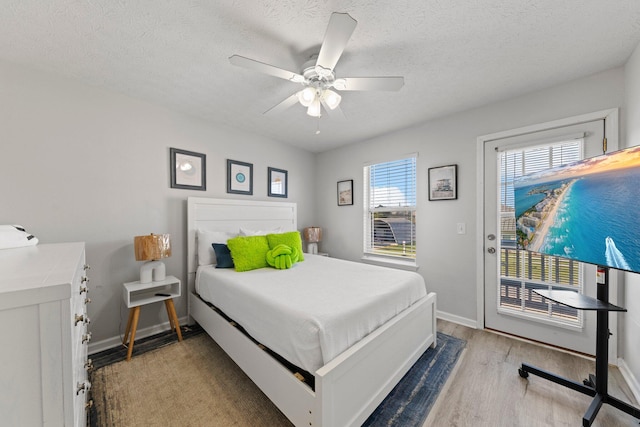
x,y
83,164
446,259
631,319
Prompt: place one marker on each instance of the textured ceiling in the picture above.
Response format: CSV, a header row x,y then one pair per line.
x,y
454,55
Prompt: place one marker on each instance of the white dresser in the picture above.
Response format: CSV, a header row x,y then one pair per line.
x,y
43,325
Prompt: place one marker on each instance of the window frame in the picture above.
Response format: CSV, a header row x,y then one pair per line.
x,y
369,253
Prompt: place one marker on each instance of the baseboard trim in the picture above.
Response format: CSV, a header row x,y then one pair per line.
x,y
470,323
629,378
113,342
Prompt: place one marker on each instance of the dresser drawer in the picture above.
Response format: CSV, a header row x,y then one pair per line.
x,y
42,369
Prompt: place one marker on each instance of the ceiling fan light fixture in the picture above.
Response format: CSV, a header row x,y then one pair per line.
x,y
307,96
331,98
323,72
314,109
340,84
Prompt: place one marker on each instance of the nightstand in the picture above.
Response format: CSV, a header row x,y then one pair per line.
x,y
136,294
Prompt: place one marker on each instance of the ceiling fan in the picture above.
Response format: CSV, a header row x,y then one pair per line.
x,y
318,77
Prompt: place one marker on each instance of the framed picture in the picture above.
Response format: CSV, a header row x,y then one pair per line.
x,y
443,183
188,170
239,177
277,183
345,192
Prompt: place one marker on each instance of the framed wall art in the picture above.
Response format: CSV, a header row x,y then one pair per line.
x,y
188,170
443,183
345,192
239,177
277,183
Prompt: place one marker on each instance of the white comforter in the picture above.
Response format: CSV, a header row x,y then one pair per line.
x,y
314,311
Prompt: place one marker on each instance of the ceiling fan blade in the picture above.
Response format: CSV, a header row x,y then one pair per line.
x,y
261,67
279,108
369,83
339,30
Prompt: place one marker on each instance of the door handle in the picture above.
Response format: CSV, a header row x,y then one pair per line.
x,y
491,250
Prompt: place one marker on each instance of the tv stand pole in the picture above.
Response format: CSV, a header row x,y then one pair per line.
x,y
595,385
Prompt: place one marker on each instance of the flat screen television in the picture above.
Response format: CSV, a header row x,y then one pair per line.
x,y
588,211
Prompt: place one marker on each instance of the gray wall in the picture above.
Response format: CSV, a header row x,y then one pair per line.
x,y
447,260
631,319
83,164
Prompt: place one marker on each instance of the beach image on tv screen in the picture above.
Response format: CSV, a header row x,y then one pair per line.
x,y
586,211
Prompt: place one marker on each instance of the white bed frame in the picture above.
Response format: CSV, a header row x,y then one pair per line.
x,y
347,389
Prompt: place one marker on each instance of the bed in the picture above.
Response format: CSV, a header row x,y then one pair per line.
x,y
347,388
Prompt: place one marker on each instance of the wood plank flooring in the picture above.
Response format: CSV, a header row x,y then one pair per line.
x,y
486,390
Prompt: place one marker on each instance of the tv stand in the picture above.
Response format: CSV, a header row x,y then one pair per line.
x,y
595,385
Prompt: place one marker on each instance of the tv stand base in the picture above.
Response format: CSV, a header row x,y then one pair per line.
x,y
596,385
590,390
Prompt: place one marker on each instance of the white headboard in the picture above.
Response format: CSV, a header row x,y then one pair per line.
x,y
230,215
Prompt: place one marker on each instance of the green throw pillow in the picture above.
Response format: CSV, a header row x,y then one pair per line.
x,y
282,257
249,252
291,239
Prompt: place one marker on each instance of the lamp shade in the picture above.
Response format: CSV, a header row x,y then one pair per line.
x,y
313,234
314,109
306,96
152,247
331,98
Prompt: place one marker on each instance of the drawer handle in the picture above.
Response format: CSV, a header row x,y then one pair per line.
x,y
85,279
83,289
89,404
87,267
86,337
88,365
83,387
82,318
87,301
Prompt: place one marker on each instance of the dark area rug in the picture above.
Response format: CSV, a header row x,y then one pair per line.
x,y
410,401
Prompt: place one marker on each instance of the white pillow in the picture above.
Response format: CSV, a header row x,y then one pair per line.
x,y
249,232
206,255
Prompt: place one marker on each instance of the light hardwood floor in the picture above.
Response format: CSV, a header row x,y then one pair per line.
x,y
486,390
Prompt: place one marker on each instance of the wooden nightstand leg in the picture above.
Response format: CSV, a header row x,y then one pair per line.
x,y
134,326
169,315
173,317
128,329
171,312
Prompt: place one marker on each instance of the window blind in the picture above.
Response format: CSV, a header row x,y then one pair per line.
x,y
390,208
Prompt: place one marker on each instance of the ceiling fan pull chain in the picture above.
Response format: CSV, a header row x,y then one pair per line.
x,y
318,128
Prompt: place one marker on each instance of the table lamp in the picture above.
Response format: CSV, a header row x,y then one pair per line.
x,y
312,235
152,248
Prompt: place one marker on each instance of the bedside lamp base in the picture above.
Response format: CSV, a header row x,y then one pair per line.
x,y
152,270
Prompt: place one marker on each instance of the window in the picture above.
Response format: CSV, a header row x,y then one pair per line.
x,y
390,210
522,271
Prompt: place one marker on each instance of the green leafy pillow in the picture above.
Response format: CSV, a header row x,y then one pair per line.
x,y
291,239
249,252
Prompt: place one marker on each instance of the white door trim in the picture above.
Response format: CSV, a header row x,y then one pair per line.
x,y
612,131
